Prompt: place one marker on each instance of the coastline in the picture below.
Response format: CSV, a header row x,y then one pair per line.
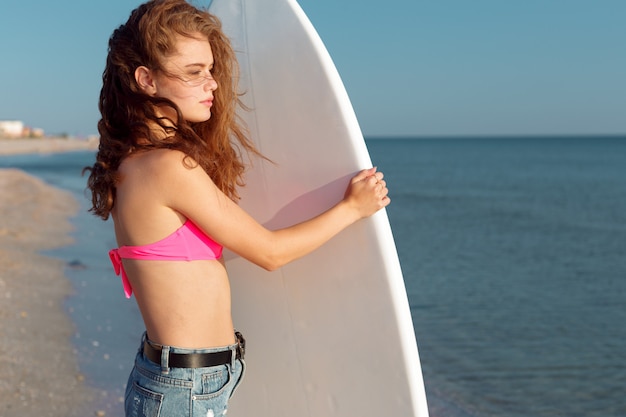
x,y
40,368
51,144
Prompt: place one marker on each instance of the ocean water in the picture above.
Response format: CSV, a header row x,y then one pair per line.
x,y
513,254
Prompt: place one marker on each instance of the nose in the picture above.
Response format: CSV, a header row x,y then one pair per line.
x,y
211,84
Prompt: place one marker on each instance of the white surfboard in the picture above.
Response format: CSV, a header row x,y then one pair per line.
x,y
330,334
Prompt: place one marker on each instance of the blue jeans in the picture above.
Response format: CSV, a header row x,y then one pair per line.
x,y
154,390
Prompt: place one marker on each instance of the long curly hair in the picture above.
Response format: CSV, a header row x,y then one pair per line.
x,y
216,145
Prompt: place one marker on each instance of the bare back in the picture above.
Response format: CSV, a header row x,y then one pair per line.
x,y
183,303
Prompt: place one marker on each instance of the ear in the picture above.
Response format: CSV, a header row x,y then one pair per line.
x,y
145,80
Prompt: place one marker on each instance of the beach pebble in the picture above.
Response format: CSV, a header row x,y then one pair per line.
x,y
76,264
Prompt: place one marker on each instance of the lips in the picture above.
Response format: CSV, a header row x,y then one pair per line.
x,y
207,102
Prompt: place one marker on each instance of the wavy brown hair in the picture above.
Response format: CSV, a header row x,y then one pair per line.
x,y
146,39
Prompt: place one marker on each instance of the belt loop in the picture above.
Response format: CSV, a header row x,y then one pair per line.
x,y
165,360
233,358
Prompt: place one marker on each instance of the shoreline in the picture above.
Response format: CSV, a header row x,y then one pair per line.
x,y
41,375
49,144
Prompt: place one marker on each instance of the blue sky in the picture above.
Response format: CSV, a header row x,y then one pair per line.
x,y
411,67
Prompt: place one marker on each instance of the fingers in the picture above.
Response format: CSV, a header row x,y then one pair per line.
x,y
380,189
376,180
368,192
364,174
368,174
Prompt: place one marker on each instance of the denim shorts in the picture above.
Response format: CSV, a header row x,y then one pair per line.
x,y
157,391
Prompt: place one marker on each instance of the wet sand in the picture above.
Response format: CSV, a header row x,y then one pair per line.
x,y
40,373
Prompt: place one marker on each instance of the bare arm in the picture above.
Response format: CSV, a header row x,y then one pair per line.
x,y
192,193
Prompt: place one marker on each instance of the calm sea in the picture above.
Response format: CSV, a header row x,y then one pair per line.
x,y
514,256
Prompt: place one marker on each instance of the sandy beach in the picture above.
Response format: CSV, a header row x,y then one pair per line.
x,y
40,373
45,145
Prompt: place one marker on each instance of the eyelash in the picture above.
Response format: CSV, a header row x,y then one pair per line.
x,y
200,72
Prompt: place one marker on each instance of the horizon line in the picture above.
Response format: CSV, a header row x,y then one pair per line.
x,y
497,136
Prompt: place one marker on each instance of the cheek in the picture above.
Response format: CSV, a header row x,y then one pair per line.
x,y
177,94
174,91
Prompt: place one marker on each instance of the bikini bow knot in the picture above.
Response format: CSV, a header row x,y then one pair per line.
x,y
116,260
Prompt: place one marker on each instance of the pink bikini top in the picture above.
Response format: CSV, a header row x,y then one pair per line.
x,y
188,243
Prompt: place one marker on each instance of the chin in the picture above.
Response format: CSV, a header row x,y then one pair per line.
x,y
199,119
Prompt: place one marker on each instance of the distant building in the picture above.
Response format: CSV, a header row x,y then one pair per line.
x,y
17,129
37,132
11,128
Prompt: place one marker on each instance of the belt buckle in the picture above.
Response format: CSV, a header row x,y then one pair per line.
x,y
241,345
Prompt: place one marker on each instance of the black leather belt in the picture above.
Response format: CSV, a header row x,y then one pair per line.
x,y
196,360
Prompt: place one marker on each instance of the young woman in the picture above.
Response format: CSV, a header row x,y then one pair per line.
x,y
167,171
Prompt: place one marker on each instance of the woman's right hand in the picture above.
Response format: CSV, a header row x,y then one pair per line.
x,y
367,192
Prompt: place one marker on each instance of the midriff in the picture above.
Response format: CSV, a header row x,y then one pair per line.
x,y
183,303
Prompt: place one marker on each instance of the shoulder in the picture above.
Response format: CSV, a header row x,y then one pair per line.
x,y
168,177
159,163
155,158
164,171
